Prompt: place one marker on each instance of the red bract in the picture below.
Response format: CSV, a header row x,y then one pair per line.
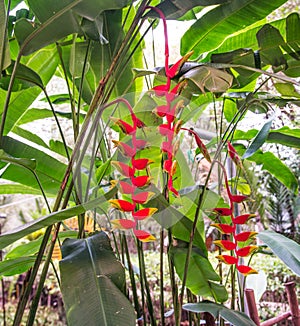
x,y
171,187
139,143
238,198
142,197
174,70
123,168
141,181
125,149
244,236
123,224
225,244
143,213
230,260
124,126
246,251
234,155
144,236
246,270
141,163
126,188
224,211
122,205
224,228
161,110
242,219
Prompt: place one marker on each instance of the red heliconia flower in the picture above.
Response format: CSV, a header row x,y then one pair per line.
x,y
245,236
171,187
246,251
123,168
167,166
238,198
170,96
141,181
242,219
139,143
142,197
224,211
126,188
125,149
174,70
144,236
122,205
165,130
246,270
234,155
224,228
144,213
225,244
124,126
161,90
161,110
141,163
167,147
230,260
123,224
139,123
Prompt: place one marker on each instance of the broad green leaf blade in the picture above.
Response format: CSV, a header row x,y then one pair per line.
x,y
26,134
24,162
92,281
284,248
287,90
174,9
4,45
44,221
201,277
285,136
16,266
234,317
49,170
274,165
259,139
6,189
25,249
211,30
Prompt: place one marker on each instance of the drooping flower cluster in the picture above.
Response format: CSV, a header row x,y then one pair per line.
x,y
169,110
136,178
240,243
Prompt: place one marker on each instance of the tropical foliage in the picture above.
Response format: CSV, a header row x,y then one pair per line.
x,y
123,165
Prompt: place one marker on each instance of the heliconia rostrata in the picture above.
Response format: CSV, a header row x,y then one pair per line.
x,y
137,176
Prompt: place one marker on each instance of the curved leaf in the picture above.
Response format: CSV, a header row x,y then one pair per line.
x,y
234,317
274,165
16,266
211,30
259,139
93,282
44,221
4,45
201,276
284,248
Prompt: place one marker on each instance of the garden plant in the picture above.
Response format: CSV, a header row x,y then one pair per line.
x,y
125,174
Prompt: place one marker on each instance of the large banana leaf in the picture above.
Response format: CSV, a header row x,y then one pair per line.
x,y
4,48
93,284
234,317
211,30
284,248
201,277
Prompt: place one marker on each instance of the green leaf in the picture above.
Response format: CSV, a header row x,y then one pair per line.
x,y
284,248
174,9
259,139
25,249
285,136
49,170
234,317
201,276
44,221
279,170
92,283
209,78
26,134
6,189
24,162
16,266
211,29
4,45
287,90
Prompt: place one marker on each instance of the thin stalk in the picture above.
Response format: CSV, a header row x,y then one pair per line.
x,y
161,271
146,285
176,305
3,287
58,124
132,279
142,283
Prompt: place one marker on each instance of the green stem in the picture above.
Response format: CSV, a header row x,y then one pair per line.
x,y
161,271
